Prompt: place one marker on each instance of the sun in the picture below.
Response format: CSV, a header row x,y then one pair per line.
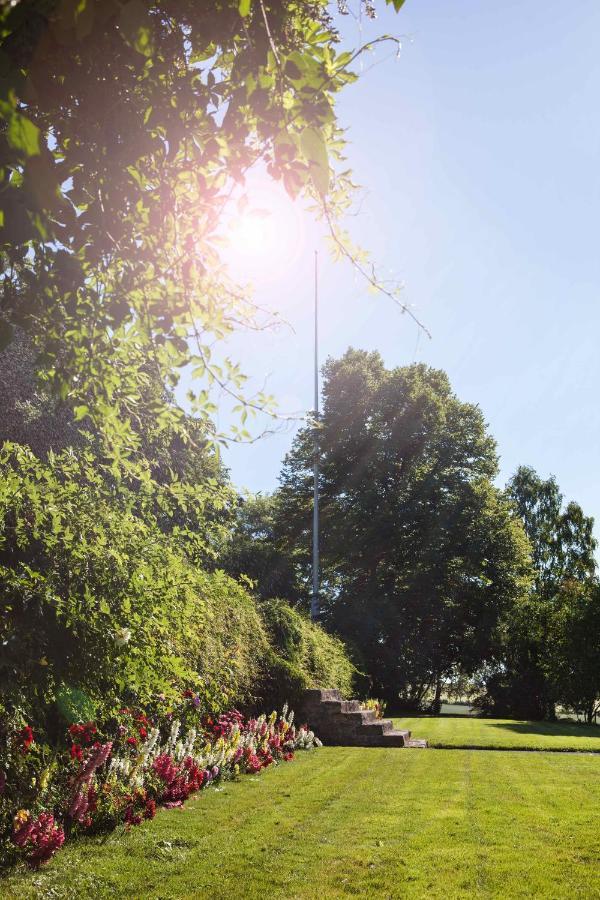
x,y
265,234
252,232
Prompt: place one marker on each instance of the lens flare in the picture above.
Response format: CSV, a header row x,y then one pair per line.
x,y
265,234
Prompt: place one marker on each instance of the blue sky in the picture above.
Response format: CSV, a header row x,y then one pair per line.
x,y
478,153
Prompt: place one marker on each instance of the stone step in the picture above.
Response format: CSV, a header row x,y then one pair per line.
x,y
341,706
395,738
379,726
359,716
343,722
417,744
321,695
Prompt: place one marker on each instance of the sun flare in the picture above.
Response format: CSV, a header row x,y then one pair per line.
x,y
265,235
253,232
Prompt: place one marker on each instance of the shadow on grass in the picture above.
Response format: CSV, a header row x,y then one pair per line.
x,y
558,729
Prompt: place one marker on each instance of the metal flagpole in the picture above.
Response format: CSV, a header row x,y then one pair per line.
x,y
314,606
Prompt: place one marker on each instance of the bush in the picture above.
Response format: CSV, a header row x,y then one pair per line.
x,y
105,609
100,603
303,656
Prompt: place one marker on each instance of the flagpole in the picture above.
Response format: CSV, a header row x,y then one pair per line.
x,y
314,606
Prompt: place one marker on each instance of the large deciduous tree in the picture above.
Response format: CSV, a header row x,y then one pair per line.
x,y
421,556
574,632
532,677
258,550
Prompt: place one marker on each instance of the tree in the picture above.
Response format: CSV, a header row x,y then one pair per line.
x,y
193,496
420,554
563,547
562,539
129,129
574,633
256,550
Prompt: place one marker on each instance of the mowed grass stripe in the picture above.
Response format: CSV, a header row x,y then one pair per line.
x,y
502,734
358,822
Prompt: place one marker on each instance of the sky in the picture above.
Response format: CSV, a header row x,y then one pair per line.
x,y
477,150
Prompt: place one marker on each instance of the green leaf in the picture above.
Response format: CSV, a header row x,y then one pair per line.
x,y
135,26
244,8
315,151
397,4
23,135
80,412
313,146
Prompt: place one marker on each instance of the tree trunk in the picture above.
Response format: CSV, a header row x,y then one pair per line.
x,y
589,713
436,706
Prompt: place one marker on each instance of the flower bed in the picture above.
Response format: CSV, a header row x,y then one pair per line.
x,y
120,774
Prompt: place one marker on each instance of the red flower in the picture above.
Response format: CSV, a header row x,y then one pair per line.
x,y
26,737
143,733
131,817
150,810
83,733
76,752
131,741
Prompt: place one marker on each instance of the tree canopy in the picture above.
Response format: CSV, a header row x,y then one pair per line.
x,y
544,652
420,553
129,129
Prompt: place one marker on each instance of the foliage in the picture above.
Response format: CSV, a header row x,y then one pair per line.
x,y
562,540
303,656
420,554
118,774
194,494
573,667
257,550
129,129
102,606
525,681
29,413
98,599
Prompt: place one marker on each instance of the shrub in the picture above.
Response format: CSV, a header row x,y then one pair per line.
x,y
303,656
101,603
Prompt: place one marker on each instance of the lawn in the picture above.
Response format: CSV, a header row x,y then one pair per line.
x,y
504,734
358,822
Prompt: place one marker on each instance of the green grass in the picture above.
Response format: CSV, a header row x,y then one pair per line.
x,y
503,734
358,822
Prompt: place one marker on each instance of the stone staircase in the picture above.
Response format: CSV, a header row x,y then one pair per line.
x,y
343,722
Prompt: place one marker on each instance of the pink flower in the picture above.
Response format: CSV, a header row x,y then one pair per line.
x,y
40,838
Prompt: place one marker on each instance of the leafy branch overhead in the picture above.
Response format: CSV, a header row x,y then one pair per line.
x,y
128,128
